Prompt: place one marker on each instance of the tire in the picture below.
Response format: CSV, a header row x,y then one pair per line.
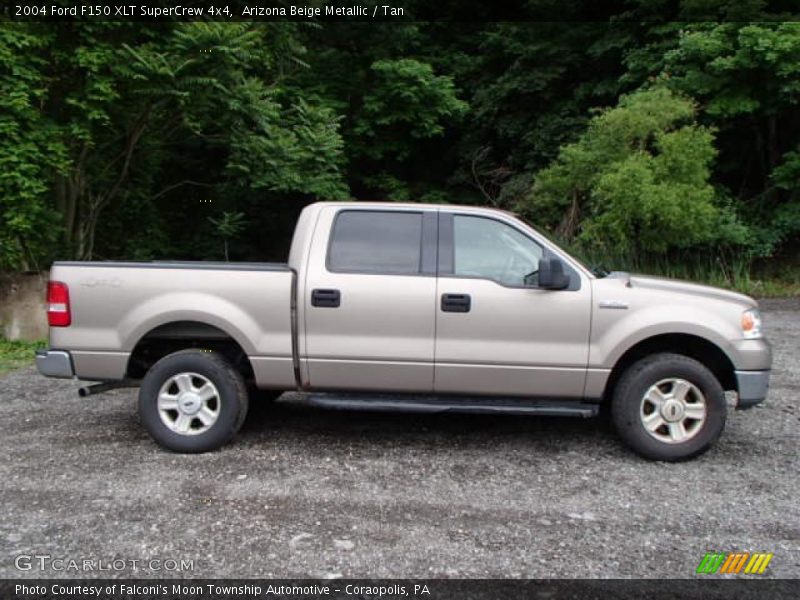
x,y
681,387
192,401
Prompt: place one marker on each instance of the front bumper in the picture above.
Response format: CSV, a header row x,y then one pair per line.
x,y
54,363
751,355
752,387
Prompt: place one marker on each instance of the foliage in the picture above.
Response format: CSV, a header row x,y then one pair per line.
x,y
738,68
228,225
15,354
405,100
747,77
120,140
531,88
110,100
637,181
30,150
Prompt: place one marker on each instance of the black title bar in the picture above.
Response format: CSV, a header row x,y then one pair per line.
x,y
154,11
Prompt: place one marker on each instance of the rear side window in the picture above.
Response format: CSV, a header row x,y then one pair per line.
x,y
376,242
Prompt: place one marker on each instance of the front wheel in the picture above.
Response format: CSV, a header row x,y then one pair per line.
x,y
669,407
192,401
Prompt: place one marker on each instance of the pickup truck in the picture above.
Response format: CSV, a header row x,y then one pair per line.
x,y
411,307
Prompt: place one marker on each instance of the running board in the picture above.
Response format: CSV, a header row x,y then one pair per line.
x,y
454,404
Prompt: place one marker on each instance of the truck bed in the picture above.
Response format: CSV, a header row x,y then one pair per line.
x,y
115,305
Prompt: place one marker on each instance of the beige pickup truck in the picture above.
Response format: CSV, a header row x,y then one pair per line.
x,y
409,307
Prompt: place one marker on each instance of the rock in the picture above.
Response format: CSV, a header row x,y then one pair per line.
x,y
587,516
299,539
344,544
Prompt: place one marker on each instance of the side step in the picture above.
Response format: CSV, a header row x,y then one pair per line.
x,y
453,404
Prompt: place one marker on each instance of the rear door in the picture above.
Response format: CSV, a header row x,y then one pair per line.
x,y
495,334
370,305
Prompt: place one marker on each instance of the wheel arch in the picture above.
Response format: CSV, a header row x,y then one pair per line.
x,y
699,348
173,336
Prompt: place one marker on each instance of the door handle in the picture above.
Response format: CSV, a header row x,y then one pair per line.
x,y
326,298
456,303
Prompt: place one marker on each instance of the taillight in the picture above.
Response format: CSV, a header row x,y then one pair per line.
x,y
58,313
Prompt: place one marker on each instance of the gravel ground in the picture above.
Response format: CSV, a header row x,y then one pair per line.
x,y
305,492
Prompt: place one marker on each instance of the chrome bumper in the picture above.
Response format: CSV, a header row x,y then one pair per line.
x,y
54,363
752,387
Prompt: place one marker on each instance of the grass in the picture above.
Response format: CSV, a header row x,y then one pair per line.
x,y
763,279
14,354
770,288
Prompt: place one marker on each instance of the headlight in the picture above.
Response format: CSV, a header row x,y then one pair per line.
x,y
751,324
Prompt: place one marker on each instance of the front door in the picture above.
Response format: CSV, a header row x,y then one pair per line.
x,y
369,306
495,334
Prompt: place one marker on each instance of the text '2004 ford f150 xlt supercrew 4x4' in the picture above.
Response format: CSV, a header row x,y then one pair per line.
x,y
410,307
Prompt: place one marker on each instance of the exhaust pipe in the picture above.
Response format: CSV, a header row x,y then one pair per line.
x,y
105,386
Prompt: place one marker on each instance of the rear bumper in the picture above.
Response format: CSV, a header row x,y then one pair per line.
x,y
54,363
752,387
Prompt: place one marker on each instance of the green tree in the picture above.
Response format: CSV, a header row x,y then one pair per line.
x,y
637,181
104,101
31,150
401,106
531,87
228,226
747,78
405,99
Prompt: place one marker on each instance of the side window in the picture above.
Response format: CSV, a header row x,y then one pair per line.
x,y
376,242
493,250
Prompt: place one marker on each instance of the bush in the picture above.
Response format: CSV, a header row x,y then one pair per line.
x,y
637,182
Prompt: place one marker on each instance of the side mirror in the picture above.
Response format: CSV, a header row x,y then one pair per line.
x,y
551,274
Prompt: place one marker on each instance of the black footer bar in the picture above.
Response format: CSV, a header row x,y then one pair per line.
x,y
395,589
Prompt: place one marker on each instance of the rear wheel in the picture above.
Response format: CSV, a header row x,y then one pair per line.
x,y
192,401
669,407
